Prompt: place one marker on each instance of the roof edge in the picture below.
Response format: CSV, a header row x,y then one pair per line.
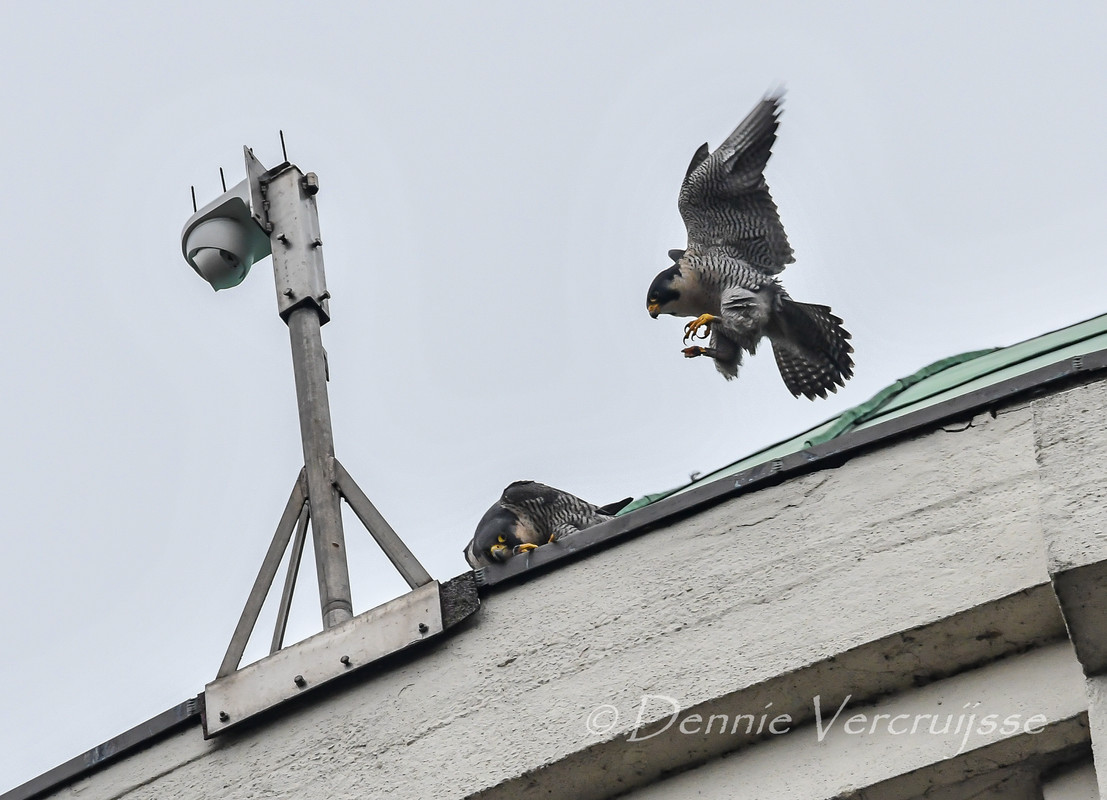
x,y
140,736
819,456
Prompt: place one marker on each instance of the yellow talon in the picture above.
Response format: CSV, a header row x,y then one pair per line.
x,y
703,321
525,548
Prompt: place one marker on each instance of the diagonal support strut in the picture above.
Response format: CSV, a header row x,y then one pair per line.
x,y
265,577
293,527
392,545
290,579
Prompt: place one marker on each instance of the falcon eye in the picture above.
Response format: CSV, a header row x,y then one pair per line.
x,y
500,539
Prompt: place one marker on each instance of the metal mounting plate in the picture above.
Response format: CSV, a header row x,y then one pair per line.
x,y
320,659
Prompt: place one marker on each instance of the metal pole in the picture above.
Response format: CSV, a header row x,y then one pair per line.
x,y
281,201
318,439
288,198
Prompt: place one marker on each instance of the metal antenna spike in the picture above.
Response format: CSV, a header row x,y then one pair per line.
x,y
222,179
283,151
193,199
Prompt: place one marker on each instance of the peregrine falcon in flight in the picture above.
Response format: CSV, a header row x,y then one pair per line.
x,y
726,277
529,514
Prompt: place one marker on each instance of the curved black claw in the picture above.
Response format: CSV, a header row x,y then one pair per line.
x,y
692,328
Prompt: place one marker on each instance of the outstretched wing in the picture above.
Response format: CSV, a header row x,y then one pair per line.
x,y
725,201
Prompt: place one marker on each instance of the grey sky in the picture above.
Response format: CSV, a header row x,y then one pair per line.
x,y
498,189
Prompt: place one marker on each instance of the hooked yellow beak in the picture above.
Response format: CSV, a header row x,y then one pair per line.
x,y
654,309
500,552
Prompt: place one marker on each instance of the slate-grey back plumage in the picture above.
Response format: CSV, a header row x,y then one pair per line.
x,y
726,275
551,512
530,514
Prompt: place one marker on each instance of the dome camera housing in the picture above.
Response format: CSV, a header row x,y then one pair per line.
x,y
222,241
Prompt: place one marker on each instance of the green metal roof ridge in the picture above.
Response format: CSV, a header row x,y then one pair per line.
x,y
1002,358
921,388
871,407
824,431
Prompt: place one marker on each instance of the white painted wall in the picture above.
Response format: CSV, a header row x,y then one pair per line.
x,y
1077,783
923,557
935,739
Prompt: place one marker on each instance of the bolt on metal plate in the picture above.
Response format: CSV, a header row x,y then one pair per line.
x,y
307,665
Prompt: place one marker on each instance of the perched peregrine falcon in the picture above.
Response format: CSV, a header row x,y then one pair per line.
x,y
529,514
725,278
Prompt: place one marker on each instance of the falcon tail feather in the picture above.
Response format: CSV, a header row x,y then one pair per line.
x,y
811,348
617,506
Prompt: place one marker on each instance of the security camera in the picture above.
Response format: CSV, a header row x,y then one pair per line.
x,y
222,240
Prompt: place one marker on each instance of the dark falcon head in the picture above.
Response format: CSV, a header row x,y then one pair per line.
x,y
498,533
665,290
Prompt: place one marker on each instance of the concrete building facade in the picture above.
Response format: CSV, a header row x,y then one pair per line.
x,y
916,608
